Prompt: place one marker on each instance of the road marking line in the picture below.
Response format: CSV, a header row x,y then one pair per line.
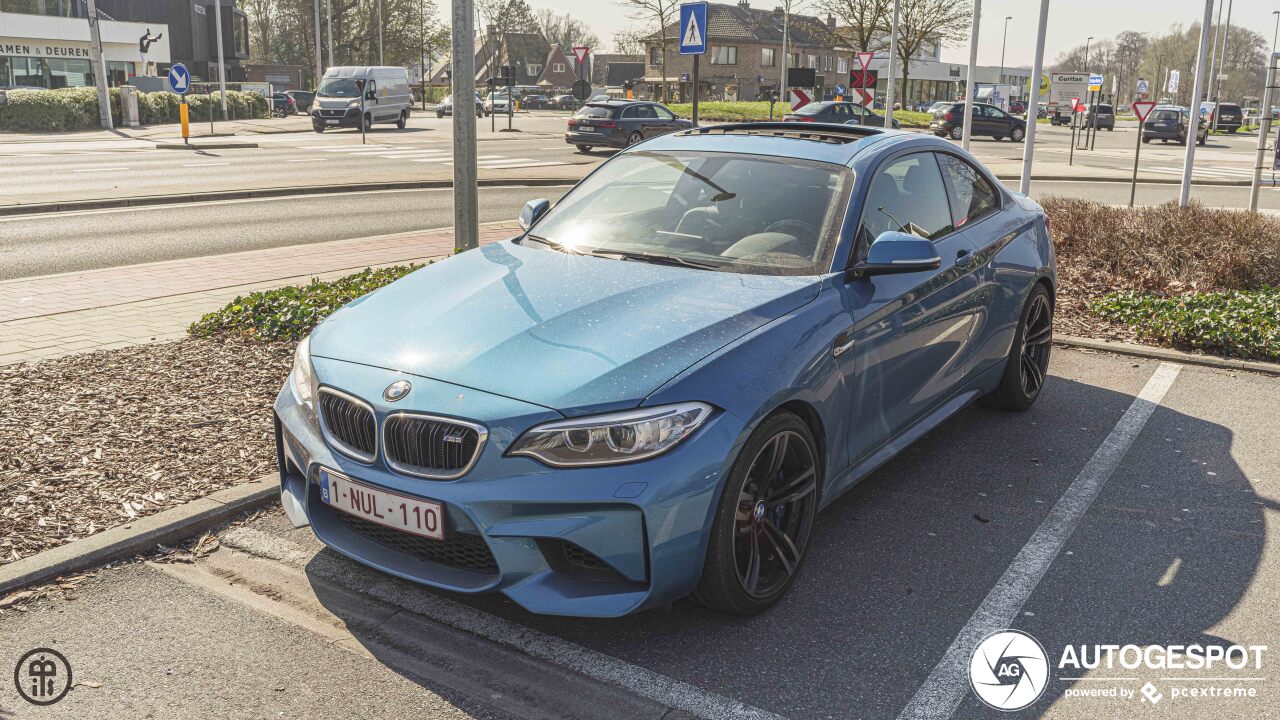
x,y
308,160
450,162
101,169
412,153
208,164
531,163
948,682
535,643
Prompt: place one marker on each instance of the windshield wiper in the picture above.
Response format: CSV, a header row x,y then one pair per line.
x,y
657,259
552,244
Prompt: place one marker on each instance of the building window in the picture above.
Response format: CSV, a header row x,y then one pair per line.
x,y
766,57
724,55
655,56
119,73
558,67
811,61
842,66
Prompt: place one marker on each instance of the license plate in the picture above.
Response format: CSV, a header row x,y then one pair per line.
x,y
411,515
586,128
330,122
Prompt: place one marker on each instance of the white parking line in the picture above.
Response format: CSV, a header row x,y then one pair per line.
x,y
99,169
947,684
308,160
208,164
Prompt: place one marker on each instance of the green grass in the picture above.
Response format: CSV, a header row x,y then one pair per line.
x,y
747,111
289,313
1240,323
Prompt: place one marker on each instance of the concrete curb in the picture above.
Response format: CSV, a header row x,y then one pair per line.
x,y
140,535
1159,353
143,201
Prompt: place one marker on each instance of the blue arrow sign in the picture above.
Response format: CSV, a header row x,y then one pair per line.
x,y
179,79
840,89
693,28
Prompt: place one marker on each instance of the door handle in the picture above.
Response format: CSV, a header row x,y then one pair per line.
x,y
843,344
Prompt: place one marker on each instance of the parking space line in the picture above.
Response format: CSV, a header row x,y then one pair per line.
x,y
948,682
100,169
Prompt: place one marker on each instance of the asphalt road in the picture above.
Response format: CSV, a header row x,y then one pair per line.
x,y
1119,521
63,242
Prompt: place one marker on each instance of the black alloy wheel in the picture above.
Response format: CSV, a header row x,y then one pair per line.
x,y
765,519
1028,360
634,138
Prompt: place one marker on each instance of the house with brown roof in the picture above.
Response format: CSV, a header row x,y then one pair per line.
x,y
558,71
744,54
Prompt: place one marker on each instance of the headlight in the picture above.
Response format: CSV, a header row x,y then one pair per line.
x,y
612,438
353,104
303,379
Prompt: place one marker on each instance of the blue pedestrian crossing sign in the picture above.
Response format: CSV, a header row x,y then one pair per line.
x,y
693,28
179,79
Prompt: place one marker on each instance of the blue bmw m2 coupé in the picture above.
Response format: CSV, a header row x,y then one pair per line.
x,y
652,391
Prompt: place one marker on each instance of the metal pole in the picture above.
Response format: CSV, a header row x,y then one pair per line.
x,y
1213,54
380,60
971,81
1275,36
695,90
319,58
1197,87
328,5
893,63
1137,150
466,228
222,66
786,53
1222,63
1071,153
99,68
1264,129
1033,102
1003,43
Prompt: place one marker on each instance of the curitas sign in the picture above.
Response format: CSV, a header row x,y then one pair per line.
x,y
27,48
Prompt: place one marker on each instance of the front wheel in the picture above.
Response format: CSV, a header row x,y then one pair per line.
x,y
318,128
1028,361
1017,135
765,518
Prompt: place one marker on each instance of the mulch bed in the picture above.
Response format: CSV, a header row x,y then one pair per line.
x,y
92,441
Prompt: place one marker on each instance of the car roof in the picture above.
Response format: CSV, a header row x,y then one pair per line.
x,y
821,142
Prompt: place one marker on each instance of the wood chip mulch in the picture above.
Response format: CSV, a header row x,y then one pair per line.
x,y
93,441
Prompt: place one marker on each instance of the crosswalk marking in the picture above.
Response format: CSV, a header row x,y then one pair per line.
x,y
442,155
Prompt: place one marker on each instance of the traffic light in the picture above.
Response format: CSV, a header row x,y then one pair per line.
x,y
491,82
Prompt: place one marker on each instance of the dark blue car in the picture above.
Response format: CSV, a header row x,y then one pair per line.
x,y
653,391
620,123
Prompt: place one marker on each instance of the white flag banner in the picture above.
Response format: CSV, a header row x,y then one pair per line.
x,y
1174,77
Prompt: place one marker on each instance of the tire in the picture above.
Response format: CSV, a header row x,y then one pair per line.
x,y
439,115
634,138
404,119
318,128
1146,140
1232,131
957,132
997,138
1017,135
1028,362
584,148
1203,140
746,531
368,122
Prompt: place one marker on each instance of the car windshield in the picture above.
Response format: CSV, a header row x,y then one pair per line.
x,y
716,211
339,87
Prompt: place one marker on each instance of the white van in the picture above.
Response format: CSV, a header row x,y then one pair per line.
x,y
338,103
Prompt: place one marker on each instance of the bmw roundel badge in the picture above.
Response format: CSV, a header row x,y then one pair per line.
x,y
396,390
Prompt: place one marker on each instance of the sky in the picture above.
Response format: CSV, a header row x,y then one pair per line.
x,y
1070,22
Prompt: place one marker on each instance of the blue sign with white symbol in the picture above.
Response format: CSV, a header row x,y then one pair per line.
x,y
693,28
840,89
179,78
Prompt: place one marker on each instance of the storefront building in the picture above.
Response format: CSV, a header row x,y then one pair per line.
x,y
53,51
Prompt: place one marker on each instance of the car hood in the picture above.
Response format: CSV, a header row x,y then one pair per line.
x,y
327,103
570,332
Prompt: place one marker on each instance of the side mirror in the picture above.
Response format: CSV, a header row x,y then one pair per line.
x,y
371,95
533,211
898,252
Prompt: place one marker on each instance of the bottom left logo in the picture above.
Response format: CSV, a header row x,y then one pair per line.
x,y
43,676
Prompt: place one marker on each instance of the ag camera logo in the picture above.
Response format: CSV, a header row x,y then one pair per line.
x,y
1009,670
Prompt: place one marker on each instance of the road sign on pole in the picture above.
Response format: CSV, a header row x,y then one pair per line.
x,y
693,41
1143,87
179,79
1095,82
1142,110
580,52
864,59
863,97
799,98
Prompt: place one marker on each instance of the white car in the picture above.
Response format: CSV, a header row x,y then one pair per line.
x,y
497,103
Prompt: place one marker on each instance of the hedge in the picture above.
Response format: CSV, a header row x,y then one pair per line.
x,y
77,108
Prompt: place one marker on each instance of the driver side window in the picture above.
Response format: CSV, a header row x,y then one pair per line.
x,y
906,194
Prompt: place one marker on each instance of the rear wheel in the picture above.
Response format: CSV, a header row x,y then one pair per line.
x,y
368,122
764,521
957,132
404,119
1028,362
584,148
634,138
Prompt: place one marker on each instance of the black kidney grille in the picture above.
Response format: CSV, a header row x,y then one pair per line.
x,y
350,423
429,446
461,551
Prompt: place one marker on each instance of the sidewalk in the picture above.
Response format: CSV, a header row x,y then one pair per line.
x,y
56,315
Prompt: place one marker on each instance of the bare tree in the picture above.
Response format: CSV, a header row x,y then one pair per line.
x,y
503,17
631,40
565,30
660,14
922,23
864,23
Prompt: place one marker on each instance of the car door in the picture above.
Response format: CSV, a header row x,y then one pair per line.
x,y
667,120
648,121
909,333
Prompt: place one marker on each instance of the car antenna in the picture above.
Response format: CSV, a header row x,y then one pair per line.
x,y
900,225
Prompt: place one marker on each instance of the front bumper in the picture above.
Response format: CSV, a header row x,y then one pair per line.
x,y
594,541
339,117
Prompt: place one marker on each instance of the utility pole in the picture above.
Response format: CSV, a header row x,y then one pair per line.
x,y
786,53
380,60
466,222
319,60
1197,88
1213,55
1264,128
1033,102
971,80
1222,63
328,5
1003,44
99,68
222,64
893,61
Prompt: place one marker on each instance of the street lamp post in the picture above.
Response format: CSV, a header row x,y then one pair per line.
x,y
1087,41
1276,35
380,60
1004,42
1222,64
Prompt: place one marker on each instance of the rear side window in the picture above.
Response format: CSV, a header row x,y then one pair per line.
x,y
595,111
972,197
906,195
